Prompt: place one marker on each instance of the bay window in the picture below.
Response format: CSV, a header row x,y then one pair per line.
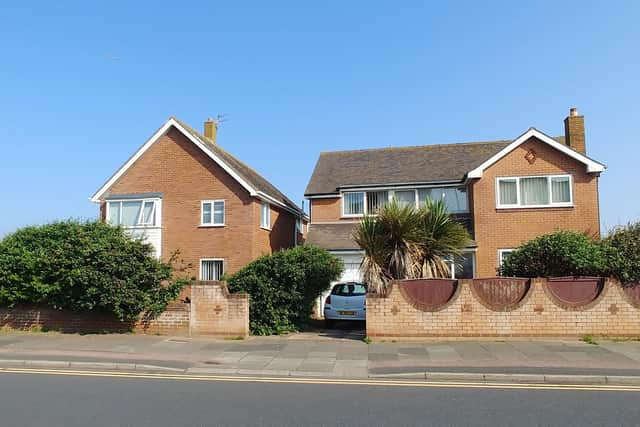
x,y
534,191
132,213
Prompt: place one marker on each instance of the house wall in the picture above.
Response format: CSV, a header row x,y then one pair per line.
x,y
281,235
185,175
508,228
327,210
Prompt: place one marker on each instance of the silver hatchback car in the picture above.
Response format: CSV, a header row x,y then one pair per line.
x,y
347,301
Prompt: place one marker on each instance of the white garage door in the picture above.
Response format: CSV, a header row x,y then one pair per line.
x,y
351,273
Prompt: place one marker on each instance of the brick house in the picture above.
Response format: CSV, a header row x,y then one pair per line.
x,y
506,192
182,191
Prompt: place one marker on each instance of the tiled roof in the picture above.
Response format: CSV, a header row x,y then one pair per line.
x,y
246,172
335,236
399,165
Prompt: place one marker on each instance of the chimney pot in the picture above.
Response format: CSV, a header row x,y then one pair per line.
x,y
573,112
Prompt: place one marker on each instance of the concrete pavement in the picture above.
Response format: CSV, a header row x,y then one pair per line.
x,y
340,354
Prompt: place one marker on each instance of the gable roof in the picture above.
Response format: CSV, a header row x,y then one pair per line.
x,y
426,164
248,178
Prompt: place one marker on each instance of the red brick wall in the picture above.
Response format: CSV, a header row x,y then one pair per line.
x,y
327,210
211,310
508,228
186,176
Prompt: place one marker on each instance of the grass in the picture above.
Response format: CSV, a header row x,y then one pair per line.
x,y
589,340
367,340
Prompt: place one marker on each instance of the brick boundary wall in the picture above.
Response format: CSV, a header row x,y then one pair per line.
x,y
205,308
613,313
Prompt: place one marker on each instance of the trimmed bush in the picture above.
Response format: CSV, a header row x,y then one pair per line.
x,y
85,266
625,244
563,253
283,287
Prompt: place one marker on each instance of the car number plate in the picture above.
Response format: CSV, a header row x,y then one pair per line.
x,y
347,313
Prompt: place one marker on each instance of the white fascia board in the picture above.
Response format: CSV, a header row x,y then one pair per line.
x,y
154,138
266,198
592,165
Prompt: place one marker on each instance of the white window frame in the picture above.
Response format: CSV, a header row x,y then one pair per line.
x,y
551,204
155,213
299,226
212,223
473,263
501,253
224,267
391,194
266,220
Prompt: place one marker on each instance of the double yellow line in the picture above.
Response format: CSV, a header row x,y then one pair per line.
x,y
329,381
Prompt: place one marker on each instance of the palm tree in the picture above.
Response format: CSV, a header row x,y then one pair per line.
x,y
402,242
442,239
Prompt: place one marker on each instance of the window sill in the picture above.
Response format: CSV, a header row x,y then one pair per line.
x,y
210,225
265,228
534,207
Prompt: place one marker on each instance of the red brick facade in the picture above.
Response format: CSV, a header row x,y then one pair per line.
x,y
185,176
495,228
508,228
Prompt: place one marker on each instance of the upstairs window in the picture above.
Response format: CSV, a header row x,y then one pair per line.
x,y
211,269
454,198
265,216
212,213
132,213
375,200
353,204
534,191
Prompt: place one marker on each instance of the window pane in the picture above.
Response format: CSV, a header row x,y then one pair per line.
x,y
455,199
114,213
423,195
148,213
464,266
375,200
211,269
218,212
130,213
504,254
405,197
265,216
534,191
353,203
508,192
560,190
206,213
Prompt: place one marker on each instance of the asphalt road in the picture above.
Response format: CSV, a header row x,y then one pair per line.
x,y
54,400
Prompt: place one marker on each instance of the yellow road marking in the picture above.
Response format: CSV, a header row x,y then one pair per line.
x,y
329,381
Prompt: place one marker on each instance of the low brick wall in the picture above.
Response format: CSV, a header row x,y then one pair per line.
x,y
205,308
499,307
214,311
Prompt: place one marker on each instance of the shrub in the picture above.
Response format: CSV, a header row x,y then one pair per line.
x,y
563,253
85,266
283,287
624,242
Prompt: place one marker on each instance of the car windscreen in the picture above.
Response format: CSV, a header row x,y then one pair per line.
x,y
349,289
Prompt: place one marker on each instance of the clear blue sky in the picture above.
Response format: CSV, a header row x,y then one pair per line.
x,y
83,85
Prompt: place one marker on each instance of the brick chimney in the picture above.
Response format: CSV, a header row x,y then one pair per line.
x,y
210,129
574,131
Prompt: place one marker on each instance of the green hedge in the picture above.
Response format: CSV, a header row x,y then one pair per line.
x,y
625,244
564,253
85,266
283,287
568,253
